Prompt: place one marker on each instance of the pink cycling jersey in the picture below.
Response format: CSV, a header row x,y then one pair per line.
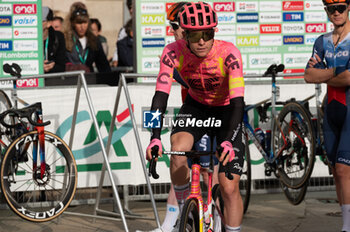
x,y
212,80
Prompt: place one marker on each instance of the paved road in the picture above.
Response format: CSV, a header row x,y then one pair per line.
x,y
267,213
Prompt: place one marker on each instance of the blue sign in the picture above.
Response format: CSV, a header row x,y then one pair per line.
x,y
151,119
247,17
149,43
5,21
293,16
293,39
6,45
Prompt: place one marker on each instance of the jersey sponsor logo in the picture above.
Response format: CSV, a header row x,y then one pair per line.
x,y
315,27
247,17
225,17
270,6
247,29
270,17
28,33
231,62
153,31
6,33
297,39
293,28
226,29
156,42
270,28
270,40
293,5
152,7
315,16
25,45
153,19
247,41
169,59
296,59
314,6
5,9
344,53
310,39
263,60
247,6
5,45
210,83
27,20
224,6
295,16
24,9
5,21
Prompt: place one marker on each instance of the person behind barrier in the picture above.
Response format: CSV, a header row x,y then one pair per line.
x,y
212,69
330,64
57,23
125,47
83,47
96,28
54,44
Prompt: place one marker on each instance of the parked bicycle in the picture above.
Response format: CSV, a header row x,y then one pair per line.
x,y
288,146
38,170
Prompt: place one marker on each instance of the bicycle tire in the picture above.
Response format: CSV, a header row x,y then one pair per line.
x,y
294,196
219,205
31,197
190,216
246,177
294,167
5,104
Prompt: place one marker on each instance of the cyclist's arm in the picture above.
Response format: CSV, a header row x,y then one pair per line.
x,y
341,80
234,66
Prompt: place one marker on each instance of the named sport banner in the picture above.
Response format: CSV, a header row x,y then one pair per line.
x,y
124,158
21,40
266,32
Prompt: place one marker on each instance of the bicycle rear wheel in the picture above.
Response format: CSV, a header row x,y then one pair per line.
x,y
294,196
294,145
246,178
189,220
219,222
32,196
5,104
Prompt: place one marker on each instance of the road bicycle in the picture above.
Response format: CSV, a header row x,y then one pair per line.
x,y
38,171
289,144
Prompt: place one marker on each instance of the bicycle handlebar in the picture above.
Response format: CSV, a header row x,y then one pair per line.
x,y
154,151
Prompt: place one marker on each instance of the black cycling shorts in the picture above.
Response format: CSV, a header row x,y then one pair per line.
x,y
197,119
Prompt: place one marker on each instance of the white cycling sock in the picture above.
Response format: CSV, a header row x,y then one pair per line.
x,y
346,217
232,229
172,211
181,193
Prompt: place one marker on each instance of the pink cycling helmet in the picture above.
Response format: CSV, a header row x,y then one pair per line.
x,y
197,16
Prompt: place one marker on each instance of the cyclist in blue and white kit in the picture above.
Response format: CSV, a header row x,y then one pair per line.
x,y
330,64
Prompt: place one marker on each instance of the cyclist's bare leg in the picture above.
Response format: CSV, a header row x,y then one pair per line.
x,y
232,199
179,171
172,211
342,179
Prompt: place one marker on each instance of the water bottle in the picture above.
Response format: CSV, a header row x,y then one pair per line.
x,y
260,135
268,142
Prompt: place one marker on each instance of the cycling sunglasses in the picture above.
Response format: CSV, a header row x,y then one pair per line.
x,y
339,8
80,11
196,36
174,26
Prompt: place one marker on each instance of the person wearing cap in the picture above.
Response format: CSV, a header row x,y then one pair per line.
x,y
330,64
83,47
212,70
54,44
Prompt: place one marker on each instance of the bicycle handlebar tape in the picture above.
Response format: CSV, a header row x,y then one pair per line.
x,y
152,166
228,174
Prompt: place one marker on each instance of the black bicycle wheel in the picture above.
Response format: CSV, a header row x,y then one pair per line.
x,y
294,145
189,220
32,196
5,104
219,222
294,196
246,178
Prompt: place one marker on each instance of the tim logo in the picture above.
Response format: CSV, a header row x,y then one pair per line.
x,y
151,119
24,8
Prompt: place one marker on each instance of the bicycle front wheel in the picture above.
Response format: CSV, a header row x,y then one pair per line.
x,y
31,193
189,220
219,210
5,104
246,178
294,145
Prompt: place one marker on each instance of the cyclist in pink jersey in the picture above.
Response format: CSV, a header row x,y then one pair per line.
x,y
212,70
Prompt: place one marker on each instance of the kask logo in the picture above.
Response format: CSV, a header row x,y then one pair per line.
x,y
153,19
24,9
295,16
5,21
224,6
293,5
298,39
5,45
